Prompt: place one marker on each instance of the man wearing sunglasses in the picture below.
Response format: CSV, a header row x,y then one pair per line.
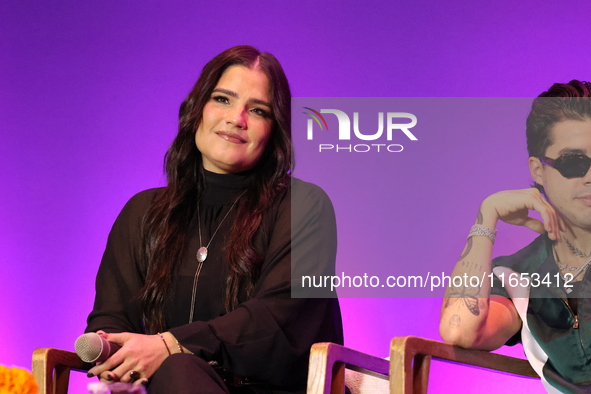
x,y
541,295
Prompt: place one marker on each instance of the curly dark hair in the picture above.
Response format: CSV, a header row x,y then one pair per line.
x,y
559,103
563,101
165,225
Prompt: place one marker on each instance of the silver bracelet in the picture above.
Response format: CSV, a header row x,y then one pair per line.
x,y
488,232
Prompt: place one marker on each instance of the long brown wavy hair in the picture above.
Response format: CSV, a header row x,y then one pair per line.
x,y
165,225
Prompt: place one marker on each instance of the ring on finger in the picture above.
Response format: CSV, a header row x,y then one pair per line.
x,y
134,375
111,377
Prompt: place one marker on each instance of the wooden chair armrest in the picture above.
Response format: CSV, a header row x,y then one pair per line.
x,y
51,369
326,373
410,361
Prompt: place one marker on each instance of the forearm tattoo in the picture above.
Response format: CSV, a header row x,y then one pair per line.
x,y
455,321
479,218
468,295
467,249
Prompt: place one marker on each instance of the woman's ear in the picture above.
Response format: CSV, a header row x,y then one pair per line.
x,y
536,169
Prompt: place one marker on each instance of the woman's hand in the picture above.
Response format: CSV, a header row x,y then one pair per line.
x,y
512,206
140,353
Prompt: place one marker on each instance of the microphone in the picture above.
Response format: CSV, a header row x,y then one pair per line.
x,y
91,347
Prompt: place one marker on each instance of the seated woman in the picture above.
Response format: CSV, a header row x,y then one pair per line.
x,y
195,283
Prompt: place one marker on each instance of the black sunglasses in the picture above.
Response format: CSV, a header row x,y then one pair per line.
x,y
570,165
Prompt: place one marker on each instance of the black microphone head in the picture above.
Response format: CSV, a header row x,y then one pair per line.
x,y
91,347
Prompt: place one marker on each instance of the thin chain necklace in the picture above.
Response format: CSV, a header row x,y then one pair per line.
x,y
202,252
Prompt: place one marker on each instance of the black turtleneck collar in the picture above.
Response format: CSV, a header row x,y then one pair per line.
x,y
222,189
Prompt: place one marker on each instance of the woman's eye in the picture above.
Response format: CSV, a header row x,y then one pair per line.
x,y
221,99
261,112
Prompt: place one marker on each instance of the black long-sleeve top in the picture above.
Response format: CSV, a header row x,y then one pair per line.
x,y
268,336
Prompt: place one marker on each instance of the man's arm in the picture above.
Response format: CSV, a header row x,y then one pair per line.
x,y
470,316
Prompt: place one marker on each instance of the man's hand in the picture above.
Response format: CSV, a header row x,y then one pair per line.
x,y
513,206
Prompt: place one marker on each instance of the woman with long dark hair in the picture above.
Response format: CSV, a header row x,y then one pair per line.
x,y
195,283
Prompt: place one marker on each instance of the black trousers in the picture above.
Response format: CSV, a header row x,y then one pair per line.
x,y
183,373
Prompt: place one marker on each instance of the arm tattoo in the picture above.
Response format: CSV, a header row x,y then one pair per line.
x,y
455,321
466,294
467,249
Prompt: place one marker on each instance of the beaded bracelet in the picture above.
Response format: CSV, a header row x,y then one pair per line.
x,y
179,346
162,337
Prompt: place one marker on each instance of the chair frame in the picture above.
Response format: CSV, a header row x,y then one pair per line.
x,y
408,368
51,369
326,372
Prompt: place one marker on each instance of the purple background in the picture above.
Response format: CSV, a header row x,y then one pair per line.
x,y
89,93
407,212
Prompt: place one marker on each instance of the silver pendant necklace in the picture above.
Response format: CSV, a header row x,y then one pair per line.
x,y
202,252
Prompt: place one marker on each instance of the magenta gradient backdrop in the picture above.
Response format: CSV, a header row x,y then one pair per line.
x,y
89,93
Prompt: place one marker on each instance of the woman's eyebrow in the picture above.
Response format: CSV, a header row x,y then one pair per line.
x,y
261,102
235,95
225,91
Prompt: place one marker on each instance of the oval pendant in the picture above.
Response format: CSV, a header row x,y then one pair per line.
x,y
202,254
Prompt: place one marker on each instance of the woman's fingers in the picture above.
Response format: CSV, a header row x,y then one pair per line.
x,y
99,370
124,372
143,381
118,338
108,377
139,357
131,371
131,376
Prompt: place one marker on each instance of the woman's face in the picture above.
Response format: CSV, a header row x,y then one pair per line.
x,y
236,123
